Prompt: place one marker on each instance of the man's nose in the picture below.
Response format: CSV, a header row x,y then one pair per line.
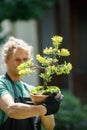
x,y
21,61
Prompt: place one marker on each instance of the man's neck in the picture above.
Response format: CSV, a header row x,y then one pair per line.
x,y
14,77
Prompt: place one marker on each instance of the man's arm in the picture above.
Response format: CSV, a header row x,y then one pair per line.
x,y
20,110
48,122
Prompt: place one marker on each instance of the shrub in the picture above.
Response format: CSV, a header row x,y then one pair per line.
x,y
72,114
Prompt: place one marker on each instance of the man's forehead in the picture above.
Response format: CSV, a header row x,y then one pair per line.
x,y
21,53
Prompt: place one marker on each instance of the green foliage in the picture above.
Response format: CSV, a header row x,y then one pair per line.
x,y
50,62
72,114
43,91
25,68
23,9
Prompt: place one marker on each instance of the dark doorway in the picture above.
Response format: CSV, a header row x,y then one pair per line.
x,y
79,47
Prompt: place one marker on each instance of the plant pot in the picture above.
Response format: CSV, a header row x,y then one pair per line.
x,y
37,99
38,94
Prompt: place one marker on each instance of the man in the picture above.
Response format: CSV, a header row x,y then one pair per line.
x,y
16,110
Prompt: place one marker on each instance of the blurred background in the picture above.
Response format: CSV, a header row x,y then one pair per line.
x,y
36,21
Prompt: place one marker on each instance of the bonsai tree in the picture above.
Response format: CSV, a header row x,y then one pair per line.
x,y
49,64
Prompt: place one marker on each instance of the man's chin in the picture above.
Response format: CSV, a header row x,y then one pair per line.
x,y
17,75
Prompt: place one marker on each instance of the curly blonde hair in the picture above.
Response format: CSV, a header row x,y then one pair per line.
x,y
11,46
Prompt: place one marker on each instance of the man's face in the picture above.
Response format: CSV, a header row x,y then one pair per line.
x,y
16,59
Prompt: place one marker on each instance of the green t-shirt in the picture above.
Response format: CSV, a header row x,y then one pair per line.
x,y
6,87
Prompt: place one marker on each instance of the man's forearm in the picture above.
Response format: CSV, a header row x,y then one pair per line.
x,y
21,111
48,122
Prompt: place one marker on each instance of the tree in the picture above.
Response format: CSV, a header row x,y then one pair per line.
x,y
23,9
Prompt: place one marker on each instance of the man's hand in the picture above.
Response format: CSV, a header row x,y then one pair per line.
x,y
52,104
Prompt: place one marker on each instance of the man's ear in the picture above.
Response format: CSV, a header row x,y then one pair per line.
x,y
6,61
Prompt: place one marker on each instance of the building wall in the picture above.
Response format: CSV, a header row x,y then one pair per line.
x,y
27,31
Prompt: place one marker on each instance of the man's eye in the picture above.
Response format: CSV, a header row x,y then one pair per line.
x,y
25,60
18,60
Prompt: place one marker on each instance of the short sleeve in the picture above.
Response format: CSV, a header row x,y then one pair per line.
x,y
3,89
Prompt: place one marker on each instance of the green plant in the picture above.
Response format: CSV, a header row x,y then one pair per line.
x,y
49,64
23,9
72,114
